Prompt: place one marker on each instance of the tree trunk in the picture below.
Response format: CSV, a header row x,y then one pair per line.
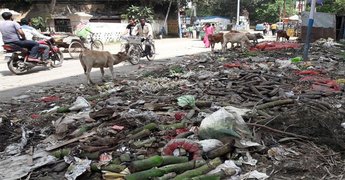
x,y
52,5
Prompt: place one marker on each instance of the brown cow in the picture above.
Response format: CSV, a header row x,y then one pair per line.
x,y
282,34
215,38
92,59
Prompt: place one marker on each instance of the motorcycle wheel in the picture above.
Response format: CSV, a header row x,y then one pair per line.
x,y
153,53
17,67
57,59
134,54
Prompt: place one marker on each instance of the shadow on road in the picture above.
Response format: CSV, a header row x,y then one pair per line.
x,y
123,70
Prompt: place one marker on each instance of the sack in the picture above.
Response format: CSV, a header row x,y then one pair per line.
x,y
226,121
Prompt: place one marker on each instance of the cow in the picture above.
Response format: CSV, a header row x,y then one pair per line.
x,y
240,38
100,59
282,34
255,37
215,38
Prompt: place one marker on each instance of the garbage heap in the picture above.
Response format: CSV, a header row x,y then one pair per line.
x,y
238,115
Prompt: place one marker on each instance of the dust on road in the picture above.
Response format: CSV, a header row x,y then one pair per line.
x,y
71,71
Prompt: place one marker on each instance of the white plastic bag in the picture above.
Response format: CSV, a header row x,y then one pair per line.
x,y
80,104
210,144
225,122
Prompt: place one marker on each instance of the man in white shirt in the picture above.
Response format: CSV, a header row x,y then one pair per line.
x,y
31,33
144,30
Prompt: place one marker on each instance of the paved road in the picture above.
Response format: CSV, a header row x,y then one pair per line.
x,y
71,71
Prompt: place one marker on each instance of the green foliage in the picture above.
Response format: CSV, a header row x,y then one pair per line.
x,y
176,69
39,23
331,6
340,6
137,11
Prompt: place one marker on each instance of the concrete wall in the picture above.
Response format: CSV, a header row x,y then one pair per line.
x,y
324,26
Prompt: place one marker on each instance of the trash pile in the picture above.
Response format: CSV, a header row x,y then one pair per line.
x,y
248,115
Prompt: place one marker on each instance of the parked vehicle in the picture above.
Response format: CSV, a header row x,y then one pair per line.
x,y
135,48
280,26
17,57
259,27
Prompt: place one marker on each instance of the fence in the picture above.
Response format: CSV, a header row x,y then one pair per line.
x,y
111,32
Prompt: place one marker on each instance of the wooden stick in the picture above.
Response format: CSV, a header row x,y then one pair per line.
x,y
70,141
275,103
279,131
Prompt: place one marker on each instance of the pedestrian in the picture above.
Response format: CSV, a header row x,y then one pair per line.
x,y
190,31
274,29
268,28
198,29
264,31
208,29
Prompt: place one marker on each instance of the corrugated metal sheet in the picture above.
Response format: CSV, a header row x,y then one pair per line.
x,y
318,33
325,20
324,26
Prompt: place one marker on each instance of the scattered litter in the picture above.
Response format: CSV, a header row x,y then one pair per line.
x,y
77,167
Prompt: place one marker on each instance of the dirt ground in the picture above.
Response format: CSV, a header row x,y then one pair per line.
x,y
297,110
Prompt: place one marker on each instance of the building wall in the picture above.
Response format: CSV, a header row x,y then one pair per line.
x,y
324,26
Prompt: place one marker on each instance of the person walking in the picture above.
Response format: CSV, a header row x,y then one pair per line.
x,y
274,29
208,29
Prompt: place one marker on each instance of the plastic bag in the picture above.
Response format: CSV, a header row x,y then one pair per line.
x,y
80,104
77,167
225,122
210,144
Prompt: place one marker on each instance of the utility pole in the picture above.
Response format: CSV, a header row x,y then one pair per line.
x,y
284,9
310,26
238,12
179,19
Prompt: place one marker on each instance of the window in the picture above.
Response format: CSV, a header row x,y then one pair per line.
x,y
62,25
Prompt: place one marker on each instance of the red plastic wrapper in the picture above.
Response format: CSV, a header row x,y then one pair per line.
x,y
271,46
35,116
179,116
50,99
232,65
190,146
118,128
182,130
308,72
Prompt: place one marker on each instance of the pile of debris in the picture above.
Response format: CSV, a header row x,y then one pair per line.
x,y
250,115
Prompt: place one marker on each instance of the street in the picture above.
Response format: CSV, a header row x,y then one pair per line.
x,y
71,71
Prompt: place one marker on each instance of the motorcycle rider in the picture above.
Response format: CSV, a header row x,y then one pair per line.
x,y
30,33
129,31
13,33
144,30
130,27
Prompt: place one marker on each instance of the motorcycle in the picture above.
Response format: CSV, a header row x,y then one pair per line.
x,y
17,57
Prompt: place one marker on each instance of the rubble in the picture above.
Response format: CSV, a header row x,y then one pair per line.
x,y
239,115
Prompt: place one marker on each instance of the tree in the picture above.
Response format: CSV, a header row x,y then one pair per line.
x,y
138,11
39,23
